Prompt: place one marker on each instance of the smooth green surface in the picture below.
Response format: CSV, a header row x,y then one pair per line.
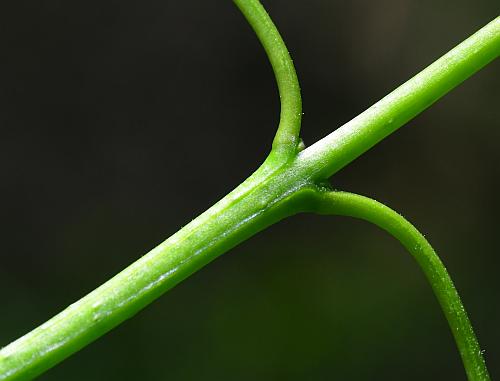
x,y
353,205
285,184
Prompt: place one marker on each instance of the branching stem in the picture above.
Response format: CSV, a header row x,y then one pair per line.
x,y
286,183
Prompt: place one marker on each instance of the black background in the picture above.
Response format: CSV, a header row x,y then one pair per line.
x,y
122,121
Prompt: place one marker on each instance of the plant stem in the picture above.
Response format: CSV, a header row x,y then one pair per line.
x,y
259,202
342,146
353,205
284,185
287,137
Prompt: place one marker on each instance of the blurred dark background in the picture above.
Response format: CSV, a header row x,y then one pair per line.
x,y
122,120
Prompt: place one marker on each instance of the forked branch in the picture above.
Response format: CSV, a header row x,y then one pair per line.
x,y
287,183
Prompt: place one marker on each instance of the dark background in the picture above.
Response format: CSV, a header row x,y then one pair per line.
x,y
122,120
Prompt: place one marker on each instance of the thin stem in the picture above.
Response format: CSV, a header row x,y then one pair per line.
x,y
287,136
353,205
342,146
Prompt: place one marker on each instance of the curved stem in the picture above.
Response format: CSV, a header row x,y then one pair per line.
x,y
345,144
348,204
287,137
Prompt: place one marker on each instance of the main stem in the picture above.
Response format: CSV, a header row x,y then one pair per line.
x,y
284,185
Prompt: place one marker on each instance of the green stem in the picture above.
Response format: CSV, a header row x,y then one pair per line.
x,y
287,137
262,200
284,185
345,144
353,205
